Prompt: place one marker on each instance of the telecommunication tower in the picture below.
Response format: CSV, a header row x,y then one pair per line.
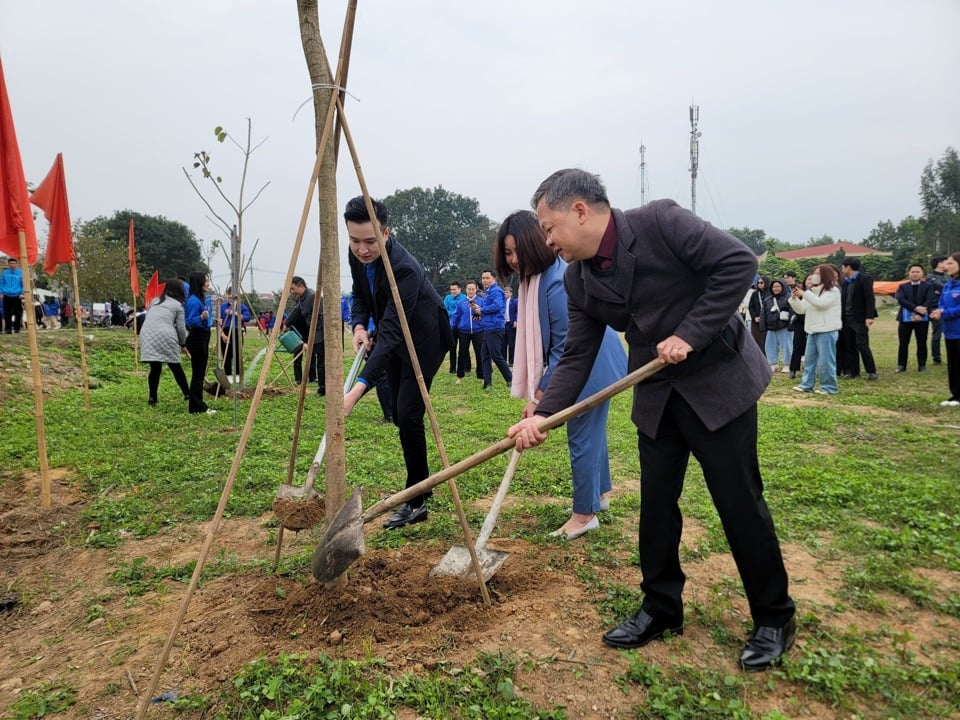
x,y
694,154
644,183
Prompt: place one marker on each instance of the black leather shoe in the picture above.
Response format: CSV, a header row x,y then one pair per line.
x,y
406,515
767,645
639,630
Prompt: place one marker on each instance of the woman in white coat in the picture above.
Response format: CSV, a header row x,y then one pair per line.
x,y
820,306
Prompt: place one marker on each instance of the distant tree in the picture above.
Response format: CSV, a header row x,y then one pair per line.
x,y
164,245
445,231
889,237
881,267
940,199
755,239
774,267
101,265
822,240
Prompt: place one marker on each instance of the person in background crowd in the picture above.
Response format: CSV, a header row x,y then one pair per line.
x,y
775,322
859,311
429,327
789,280
672,283
66,312
521,248
797,322
491,313
468,331
162,337
450,302
819,306
228,339
755,310
11,287
937,279
299,319
915,298
948,313
509,324
51,313
196,319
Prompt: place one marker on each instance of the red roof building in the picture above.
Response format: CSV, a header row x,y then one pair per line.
x,y
822,251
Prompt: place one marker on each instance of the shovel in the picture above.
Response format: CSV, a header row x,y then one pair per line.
x,y
343,541
457,562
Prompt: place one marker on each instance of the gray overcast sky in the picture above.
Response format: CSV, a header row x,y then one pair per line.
x,y
817,117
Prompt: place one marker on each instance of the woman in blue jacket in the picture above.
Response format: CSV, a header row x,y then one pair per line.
x,y
541,330
196,318
948,312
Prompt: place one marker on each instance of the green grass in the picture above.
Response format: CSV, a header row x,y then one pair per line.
x,y
867,479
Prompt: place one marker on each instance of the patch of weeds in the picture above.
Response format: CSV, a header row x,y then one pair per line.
x,y
883,573
120,655
46,699
848,672
617,602
294,687
685,692
138,577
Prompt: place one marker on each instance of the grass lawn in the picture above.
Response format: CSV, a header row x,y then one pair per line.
x,y
863,488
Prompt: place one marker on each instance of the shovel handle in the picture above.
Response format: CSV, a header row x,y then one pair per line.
x,y
508,443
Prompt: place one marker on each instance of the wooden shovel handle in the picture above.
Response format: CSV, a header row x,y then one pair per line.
x,y
508,443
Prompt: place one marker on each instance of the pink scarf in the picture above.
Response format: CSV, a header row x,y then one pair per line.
x,y
528,360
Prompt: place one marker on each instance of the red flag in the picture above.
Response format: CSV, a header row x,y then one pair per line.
x,y
154,289
134,275
15,215
51,197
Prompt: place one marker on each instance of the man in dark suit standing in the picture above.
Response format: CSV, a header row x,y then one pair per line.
x,y
859,311
916,300
672,283
386,347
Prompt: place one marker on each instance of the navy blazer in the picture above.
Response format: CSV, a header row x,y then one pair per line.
x,y
422,304
679,276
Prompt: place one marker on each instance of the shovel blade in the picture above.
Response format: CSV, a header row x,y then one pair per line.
x,y
457,563
342,543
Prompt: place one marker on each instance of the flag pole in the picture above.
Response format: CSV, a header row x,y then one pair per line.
x,y
35,369
136,336
78,316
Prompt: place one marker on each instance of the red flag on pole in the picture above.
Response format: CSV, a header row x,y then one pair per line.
x,y
134,276
154,289
15,215
51,197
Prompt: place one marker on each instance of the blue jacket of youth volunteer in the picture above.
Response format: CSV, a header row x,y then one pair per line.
x,y
192,309
463,320
11,282
950,310
491,308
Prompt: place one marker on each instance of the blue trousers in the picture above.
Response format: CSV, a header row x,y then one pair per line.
x,y
589,459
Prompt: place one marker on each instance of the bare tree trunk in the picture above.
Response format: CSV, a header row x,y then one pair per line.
x,y
320,74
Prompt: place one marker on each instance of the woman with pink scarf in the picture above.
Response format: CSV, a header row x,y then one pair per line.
x,y
541,330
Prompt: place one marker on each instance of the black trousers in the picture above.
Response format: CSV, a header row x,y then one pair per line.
x,y
509,342
407,407
198,344
799,348
855,345
12,313
453,353
935,335
731,470
317,370
153,378
904,331
231,366
492,354
465,341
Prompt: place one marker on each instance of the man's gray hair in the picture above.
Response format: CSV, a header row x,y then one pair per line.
x,y
569,185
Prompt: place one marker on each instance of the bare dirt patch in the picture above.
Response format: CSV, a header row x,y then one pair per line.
x,y
76,626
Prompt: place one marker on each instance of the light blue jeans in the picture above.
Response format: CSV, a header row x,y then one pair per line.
x,y
820,360
779,342
589,458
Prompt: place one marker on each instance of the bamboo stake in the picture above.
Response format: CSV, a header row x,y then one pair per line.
x,y
412,351
35,371
78,316
248,426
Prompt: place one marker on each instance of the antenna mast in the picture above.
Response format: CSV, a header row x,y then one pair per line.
x,y
694,154
644,183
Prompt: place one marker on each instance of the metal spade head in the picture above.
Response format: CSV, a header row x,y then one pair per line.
x,y
342,543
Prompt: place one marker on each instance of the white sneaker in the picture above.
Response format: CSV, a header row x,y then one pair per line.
x,y
785,369
950,403
211,411
773,368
